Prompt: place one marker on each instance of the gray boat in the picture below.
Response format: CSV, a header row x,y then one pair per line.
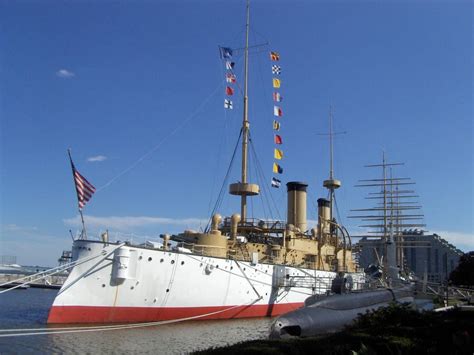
x,y
331,313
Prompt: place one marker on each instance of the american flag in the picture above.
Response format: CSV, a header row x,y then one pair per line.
x,y
84,188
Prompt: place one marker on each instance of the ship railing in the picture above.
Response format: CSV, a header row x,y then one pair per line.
x,y
255,223
440,289
212,251
322,285
203,250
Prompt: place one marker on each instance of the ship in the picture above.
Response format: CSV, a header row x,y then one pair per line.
x,y
235,268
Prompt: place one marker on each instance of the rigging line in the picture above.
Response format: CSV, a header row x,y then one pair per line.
x,y
251,178
337,210
265,186
266,95
261,179
249,266
254,32
222,140
226,178
261,183
268,193
243,273
163,140
254,46
221,192
56,270
43,331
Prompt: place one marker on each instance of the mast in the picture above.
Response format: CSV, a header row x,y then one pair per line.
x,y
331,184
393,213
243,188
245,121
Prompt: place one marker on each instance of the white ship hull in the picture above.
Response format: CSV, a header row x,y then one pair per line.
x,y
164,285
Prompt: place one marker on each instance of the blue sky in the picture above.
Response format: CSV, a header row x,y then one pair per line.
x,y
136,90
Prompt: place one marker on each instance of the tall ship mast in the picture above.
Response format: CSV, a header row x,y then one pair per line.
x,y
237,267
395,212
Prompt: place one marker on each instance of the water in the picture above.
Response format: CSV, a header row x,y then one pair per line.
x,y
29,309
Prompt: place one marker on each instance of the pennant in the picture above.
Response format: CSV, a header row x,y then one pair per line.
x,y
225,52
276,83
228,104
229,91
230,78
276,125
229,65
274,56
277,111
277,168
276,183
277,97
278,139
278,154
276,69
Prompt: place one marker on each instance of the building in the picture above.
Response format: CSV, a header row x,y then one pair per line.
x,y
421,253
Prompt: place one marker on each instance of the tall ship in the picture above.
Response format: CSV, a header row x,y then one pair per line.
x,y
237,267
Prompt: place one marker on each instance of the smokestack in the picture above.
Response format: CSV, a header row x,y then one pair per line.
x,y
297,204
323,215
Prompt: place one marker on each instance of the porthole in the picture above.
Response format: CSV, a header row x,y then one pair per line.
x,y
150,259
167,290
140,257
231,267
132,287
161,260
182,262
217,266
172,261
103,285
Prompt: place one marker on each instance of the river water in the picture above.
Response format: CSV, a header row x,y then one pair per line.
x,y
24,309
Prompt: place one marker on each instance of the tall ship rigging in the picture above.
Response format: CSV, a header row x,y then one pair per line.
x,y
237,267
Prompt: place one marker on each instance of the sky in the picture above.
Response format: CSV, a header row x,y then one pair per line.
x,y
136,90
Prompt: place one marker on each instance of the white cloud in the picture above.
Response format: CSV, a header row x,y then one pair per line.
x,y
65,74
127,222
97,158
18,229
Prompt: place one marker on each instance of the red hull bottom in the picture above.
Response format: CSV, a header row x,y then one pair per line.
x,y
86,314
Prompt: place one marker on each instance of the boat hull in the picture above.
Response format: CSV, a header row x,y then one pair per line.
x,y
85,314
124,284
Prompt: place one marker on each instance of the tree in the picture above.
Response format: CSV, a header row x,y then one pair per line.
x,y
463,275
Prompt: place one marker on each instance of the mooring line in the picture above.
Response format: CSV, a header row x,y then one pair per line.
x,y
72,264
43,331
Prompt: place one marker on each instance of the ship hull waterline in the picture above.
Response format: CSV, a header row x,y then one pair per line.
x,y
160,285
